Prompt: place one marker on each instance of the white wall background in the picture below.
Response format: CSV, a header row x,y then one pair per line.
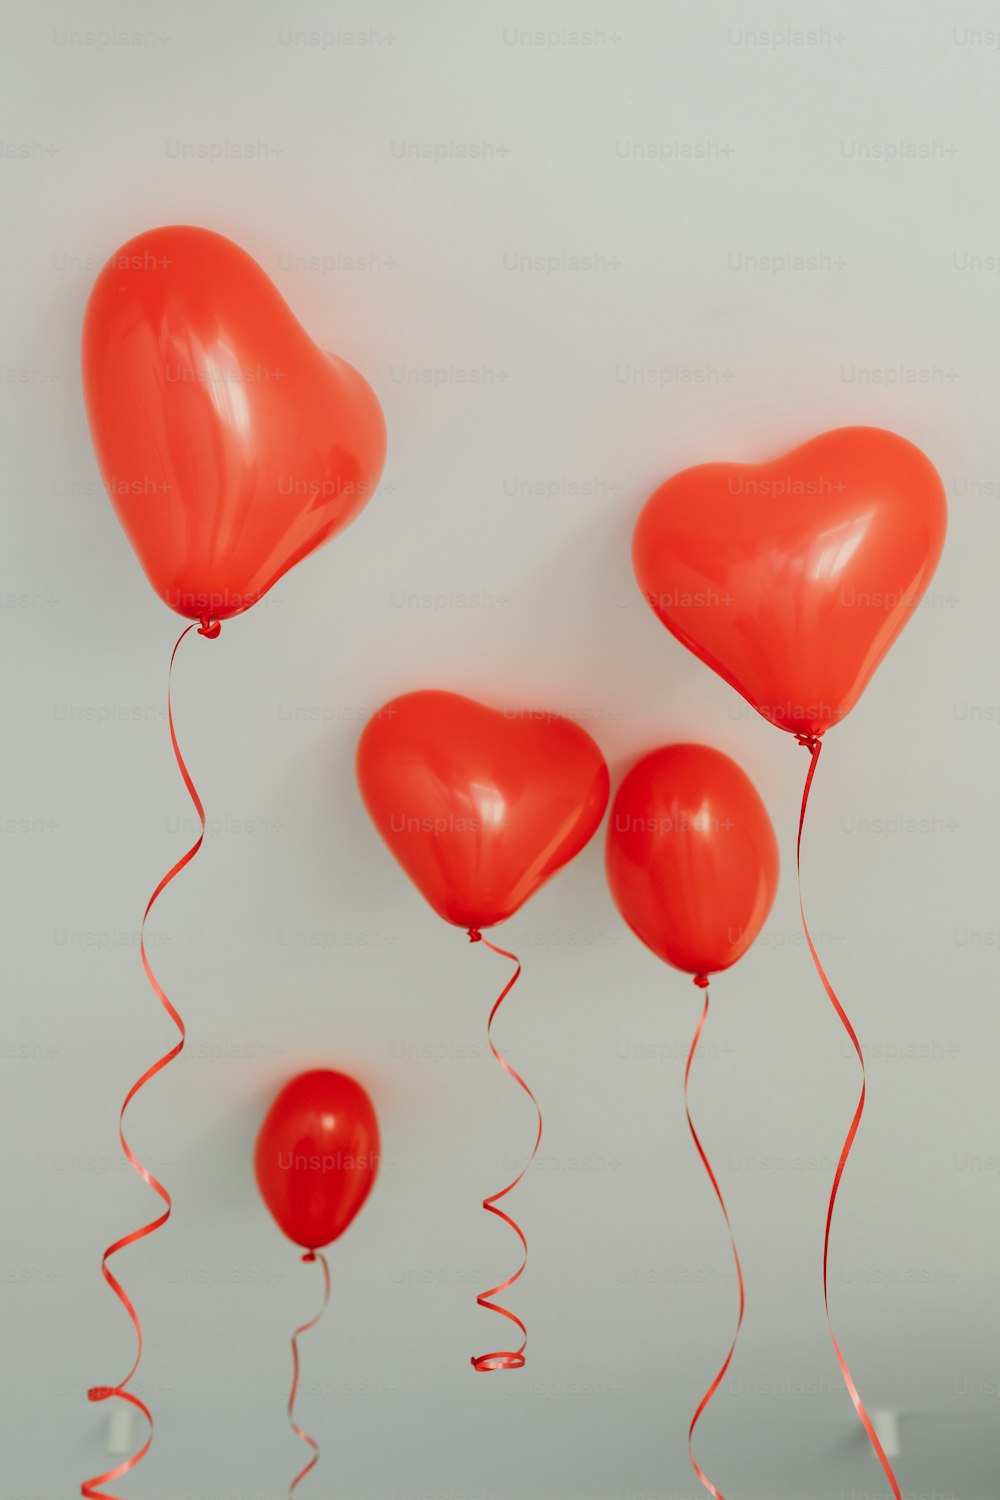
x,y
294,940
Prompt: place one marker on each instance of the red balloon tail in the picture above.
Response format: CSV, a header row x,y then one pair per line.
x,y
701,980
814,744
89,1489
304,1328
505,1359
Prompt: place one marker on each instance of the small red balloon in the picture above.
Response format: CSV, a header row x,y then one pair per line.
x,y
691,857
231,446
479,806
317,1155
792,579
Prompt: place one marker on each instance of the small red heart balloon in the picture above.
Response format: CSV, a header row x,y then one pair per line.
x,y
792,579
317,1155
479,806
691,857
231,446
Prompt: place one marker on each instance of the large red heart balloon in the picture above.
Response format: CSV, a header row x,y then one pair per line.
x,y
230,444
691,857
479,806
792,579
316,1156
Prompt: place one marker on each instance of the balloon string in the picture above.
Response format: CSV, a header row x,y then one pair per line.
x,y
701,980
89,1488
505,1359
814,744
305,1327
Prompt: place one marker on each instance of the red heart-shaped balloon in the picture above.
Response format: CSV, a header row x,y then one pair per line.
x,y
479,806
792,579
231,445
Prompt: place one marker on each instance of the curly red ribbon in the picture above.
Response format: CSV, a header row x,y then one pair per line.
x,y
305,1327
88,1489
814,744
505,1359
701,980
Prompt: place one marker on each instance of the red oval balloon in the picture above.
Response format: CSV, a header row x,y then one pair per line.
x,y
317,1155
230,445
480,807
792,579
691,857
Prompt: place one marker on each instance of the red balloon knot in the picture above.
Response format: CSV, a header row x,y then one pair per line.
x,y
100,1392
210,629
809,741
701,980
309,1257
475,936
